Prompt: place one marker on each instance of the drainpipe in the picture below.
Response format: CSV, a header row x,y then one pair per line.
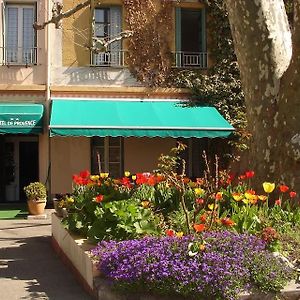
x,y
48,93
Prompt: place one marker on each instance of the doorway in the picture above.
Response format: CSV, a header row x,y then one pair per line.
x,y
21,166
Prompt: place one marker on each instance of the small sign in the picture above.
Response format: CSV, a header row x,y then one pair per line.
x,y
16,122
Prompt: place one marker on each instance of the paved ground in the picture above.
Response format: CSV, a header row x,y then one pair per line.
x,y
29,268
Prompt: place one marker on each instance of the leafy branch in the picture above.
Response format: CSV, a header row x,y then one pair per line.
x,y
168,165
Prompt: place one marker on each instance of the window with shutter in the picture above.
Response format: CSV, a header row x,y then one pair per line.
x,y
108,24
20,37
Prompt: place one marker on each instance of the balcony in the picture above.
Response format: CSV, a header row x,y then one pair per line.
x,y
19,56
109,59
190,59
180,59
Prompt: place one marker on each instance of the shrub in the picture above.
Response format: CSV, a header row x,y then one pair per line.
x,y
35,191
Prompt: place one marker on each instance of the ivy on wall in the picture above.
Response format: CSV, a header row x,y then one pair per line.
x,y
149,57
220,85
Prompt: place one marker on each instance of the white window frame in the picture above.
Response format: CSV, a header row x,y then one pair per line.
x,y
114,57
20,36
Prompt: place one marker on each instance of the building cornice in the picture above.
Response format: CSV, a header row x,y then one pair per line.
x,y
145,92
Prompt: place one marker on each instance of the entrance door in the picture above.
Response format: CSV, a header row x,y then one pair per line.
x,y
20,166
2,166
28,166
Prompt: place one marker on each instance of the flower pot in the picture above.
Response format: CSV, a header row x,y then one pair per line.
x,y
36,207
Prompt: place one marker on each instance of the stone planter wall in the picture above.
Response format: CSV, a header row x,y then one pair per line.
x,y
74,251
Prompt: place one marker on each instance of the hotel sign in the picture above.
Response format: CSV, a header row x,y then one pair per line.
x,y
16,122
21,118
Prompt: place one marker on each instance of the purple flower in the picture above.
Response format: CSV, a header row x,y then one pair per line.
x,y
163,265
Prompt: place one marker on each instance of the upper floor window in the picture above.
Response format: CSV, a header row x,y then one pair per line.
x,y
190,38
107,25
19,35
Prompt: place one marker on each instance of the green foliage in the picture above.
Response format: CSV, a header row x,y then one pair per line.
x,y
263,268
122,220
35,190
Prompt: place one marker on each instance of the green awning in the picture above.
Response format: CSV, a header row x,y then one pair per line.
x,y
135,117
24,118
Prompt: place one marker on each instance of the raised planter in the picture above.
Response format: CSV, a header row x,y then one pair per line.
x,y
75,252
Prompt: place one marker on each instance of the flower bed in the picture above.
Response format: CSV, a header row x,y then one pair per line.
x,y
75,251
209,237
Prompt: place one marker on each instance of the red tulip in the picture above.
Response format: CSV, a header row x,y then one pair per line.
x,y
170,232
249,174
283,188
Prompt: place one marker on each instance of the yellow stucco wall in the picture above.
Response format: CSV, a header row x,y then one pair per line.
x,y
141,154
68,156
76,31
71,155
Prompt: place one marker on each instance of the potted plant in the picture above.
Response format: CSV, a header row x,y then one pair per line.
x,y
36,194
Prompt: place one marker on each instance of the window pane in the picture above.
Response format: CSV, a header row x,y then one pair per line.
x,y
28,31
99,15
114,155
28,36
190,30
114,141
12,27
98,141
100,30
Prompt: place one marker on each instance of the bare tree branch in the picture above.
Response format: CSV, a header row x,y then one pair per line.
x,y
100,45
58,15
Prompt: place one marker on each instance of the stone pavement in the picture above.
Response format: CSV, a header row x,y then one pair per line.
x,y
29,267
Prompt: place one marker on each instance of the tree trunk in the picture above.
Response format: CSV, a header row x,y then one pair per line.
x,y
289,108
262,43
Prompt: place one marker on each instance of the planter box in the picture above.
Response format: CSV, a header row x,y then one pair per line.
x,y
75,252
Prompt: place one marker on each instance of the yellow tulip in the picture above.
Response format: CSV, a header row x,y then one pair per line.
x,y
102,175
268,187
253,199
199,191
262,197
94,177
127,173
212,206
237,196
133,177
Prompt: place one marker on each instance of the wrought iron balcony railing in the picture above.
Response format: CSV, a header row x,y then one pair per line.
x,y
184,59
181,59
19,56
108,59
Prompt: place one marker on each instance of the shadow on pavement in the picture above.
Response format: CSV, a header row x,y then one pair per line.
x,y
31,268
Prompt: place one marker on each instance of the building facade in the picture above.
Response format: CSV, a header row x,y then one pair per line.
x,y
96,114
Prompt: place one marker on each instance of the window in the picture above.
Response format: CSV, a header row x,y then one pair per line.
x,y
190,38
20,37
108,25
193,155
108,152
